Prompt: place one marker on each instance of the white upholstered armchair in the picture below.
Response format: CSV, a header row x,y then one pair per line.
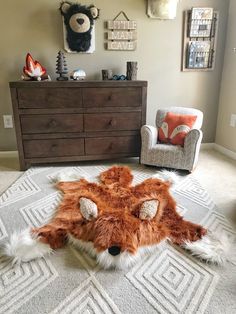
x,y
167,155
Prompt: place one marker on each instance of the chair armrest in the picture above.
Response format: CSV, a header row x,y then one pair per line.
x,y
192,145
192,138
149,136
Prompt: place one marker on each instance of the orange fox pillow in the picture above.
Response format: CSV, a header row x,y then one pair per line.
x,y
175,127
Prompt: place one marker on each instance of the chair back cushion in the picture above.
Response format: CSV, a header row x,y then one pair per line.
x,y
175,127
161,113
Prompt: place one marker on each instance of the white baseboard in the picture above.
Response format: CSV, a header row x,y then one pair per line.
x,y
225,151
219,148
207,146
9,154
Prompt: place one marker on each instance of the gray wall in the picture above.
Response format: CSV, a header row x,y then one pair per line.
x,y
36,26
226,135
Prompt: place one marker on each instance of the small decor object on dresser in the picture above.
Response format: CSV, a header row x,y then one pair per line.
x,y
33,70
132,68
78,26
78,75
107,75
118,77
122,34
61,67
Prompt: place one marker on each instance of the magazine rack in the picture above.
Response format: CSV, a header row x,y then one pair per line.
x,y
199,42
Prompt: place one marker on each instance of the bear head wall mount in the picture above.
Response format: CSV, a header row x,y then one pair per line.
x,y
78,26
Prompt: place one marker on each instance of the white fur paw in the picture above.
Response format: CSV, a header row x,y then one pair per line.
x,y
88,208
166,175
211,248
68,176
23,246
148,209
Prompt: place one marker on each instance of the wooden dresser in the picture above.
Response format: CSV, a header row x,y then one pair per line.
x,y
72,121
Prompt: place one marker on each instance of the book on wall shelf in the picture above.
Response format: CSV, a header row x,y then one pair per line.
x,y
199,54
202,13
201,22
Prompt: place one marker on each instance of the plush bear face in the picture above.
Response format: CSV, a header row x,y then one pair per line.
x,y
79,21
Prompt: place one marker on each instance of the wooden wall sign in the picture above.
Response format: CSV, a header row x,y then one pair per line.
x,y
121,45
122,34
122,24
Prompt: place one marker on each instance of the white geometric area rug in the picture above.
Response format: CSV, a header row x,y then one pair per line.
x,y
167,281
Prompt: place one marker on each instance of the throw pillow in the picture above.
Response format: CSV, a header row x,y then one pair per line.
x,y
175,127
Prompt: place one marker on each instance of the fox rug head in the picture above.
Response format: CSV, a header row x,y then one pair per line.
x,y
113,221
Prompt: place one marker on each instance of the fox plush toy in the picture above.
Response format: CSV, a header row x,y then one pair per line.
x,y
115,222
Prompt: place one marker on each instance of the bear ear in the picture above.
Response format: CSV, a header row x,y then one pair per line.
x,y
65,5
94,11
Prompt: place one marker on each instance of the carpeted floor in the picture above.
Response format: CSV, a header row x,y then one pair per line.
x,y
215,172
167,281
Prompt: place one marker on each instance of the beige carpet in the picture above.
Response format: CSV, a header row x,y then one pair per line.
x,y
215,172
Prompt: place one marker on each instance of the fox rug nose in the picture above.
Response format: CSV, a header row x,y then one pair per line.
x,y
114,250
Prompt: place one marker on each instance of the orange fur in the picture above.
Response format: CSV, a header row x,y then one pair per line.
x,y
118,223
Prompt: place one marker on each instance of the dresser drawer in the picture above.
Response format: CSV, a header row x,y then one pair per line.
x,y
53,148
48,123
112,145
112,121
109,97
38,97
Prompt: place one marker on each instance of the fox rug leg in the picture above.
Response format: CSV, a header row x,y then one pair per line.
x,y
201,243
25,246
30,244
211,248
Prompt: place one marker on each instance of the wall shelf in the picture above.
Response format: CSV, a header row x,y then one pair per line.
x,y
199,43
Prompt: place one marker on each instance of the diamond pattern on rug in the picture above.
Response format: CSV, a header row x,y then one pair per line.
x,y
192,190
3,232
172,283
40,212
36,170
219,224
20,283
21,189
181,210
85,261
89,297
141,174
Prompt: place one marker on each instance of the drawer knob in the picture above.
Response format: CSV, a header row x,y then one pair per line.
x,y
112,122
110,147
109,97
53,123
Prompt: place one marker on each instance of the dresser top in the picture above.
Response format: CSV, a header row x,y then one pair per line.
x,y
97,83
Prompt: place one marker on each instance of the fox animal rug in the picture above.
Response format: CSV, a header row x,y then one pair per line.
x,y
127,220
